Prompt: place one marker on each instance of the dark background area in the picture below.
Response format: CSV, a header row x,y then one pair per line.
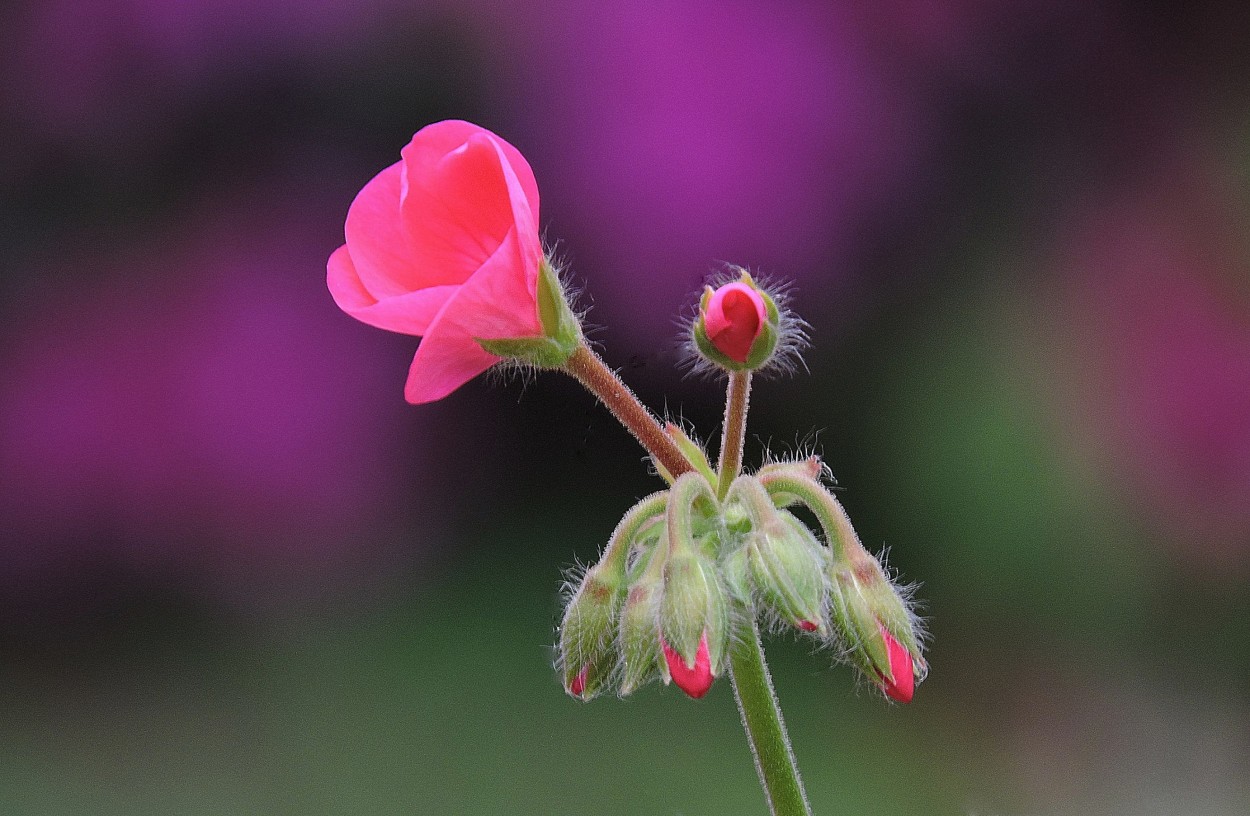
x,y
238,574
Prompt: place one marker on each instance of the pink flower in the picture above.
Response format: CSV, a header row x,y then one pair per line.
x,y
696,678
444,245
901,685
734,317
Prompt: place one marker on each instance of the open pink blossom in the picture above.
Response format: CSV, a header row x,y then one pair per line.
x,y
444,245
734,318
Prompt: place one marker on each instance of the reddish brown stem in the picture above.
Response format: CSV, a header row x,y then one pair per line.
x,y
592,372
733,435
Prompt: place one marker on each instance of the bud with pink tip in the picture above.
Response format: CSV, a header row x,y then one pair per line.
x,y
877,630
588,631
786,561
694,612
694,621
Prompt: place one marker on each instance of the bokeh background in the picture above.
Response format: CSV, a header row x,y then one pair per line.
x,y
238,574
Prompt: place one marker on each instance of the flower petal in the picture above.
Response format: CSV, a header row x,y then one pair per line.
x,y
456,210
410,313
381,247
497,303
434,141
444,361
493,304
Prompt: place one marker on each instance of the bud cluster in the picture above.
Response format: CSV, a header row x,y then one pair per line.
x,y
684,570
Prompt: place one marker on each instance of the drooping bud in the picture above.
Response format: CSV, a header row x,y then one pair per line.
x,y
694,678
738,325
878,632
694,615
588,631
640,656
787,563
876,628
789,571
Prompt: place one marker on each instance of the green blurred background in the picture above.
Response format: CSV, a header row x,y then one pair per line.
x,y
239,575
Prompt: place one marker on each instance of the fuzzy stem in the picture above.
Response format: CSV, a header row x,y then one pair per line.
x,y
733,435
761,717
833,519
614,557
687,490
588,369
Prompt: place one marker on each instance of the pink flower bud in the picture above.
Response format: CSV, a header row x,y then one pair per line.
x,y
694,679
444,245
734,317
901,685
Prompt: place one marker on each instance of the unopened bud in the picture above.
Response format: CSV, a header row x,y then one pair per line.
x,y
873,620
738,325
587,632
789,570
640,632
694,614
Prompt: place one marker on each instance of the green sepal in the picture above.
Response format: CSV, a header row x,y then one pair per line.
x,y
562,333
858,629
858,625
764,346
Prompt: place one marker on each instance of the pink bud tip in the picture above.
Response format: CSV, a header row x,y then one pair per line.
x,y
903,683
735,316
808,626
579,682
695,679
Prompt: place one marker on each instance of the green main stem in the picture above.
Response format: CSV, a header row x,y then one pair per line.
x,y
761,717
733,435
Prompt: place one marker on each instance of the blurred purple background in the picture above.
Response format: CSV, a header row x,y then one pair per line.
x,y
1020,231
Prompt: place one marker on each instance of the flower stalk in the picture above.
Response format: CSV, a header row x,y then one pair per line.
x,y
766,730
590,370
733,436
